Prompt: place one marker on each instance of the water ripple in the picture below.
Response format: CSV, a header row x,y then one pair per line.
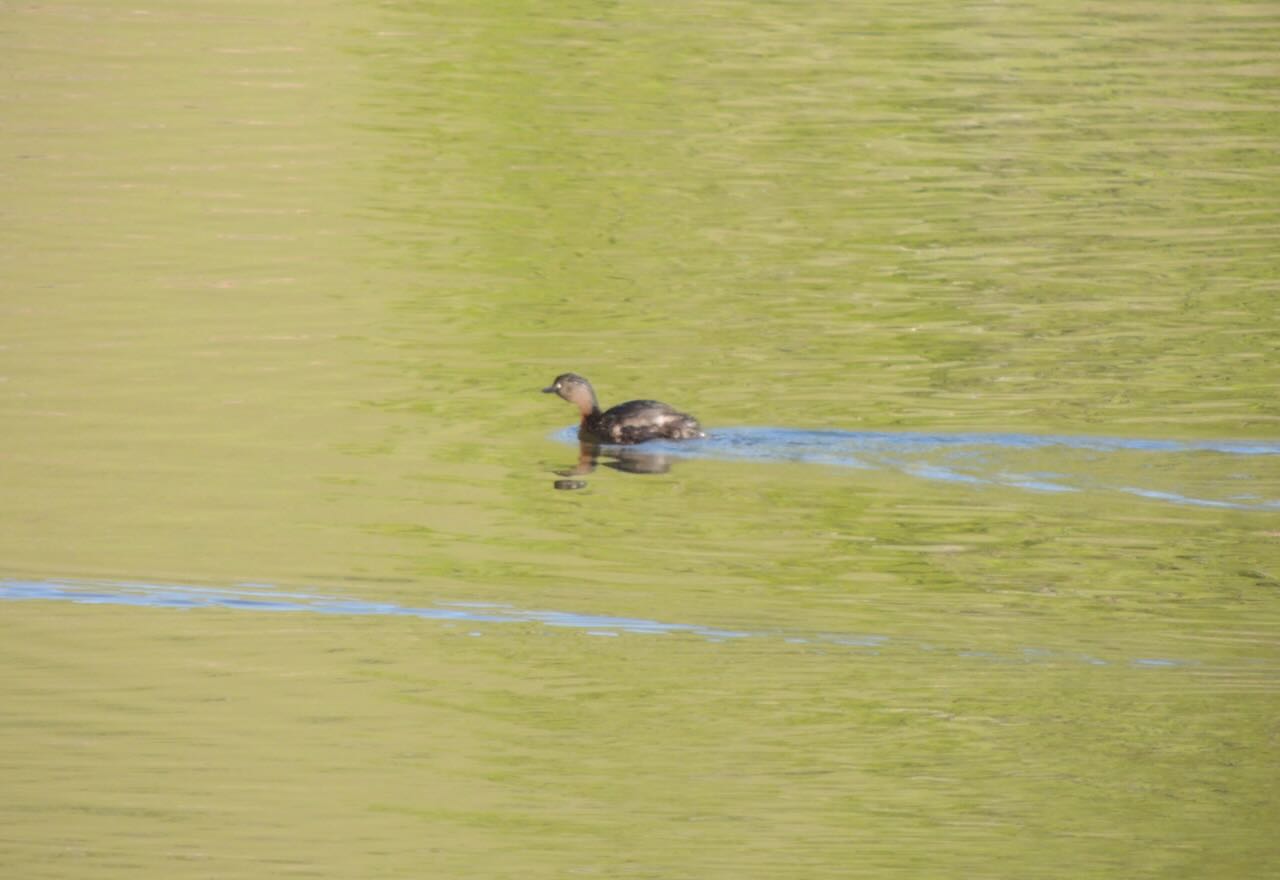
x,y
1209,473
264,598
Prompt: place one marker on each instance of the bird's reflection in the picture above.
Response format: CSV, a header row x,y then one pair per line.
x,y
628,459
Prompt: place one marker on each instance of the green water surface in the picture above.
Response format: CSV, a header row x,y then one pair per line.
x,y
279,282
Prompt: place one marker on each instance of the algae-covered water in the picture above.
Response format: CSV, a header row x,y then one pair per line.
x,y
977,574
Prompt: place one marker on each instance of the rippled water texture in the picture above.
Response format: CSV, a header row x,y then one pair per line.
x,y
978,573
1014,460
262,598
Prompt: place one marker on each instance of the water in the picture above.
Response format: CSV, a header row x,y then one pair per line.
x,y
975,575
986,459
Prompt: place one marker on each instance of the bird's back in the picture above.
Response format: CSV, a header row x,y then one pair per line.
x,y
639,420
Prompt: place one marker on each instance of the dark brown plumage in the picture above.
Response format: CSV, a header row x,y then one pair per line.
x,y
632,422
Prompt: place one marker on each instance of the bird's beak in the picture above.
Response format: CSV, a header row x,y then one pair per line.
x,y
550,389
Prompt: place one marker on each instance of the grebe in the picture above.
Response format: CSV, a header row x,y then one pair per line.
x,y
632,422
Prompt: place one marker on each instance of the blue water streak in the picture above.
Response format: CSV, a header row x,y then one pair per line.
x,y
1211,471
264,598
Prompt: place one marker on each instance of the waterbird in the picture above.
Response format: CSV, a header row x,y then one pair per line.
x,y
632,422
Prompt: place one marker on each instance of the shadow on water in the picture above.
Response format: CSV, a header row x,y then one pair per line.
x,y
628,459
1220,474
264,598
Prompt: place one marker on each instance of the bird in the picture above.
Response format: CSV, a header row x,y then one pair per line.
x,y
627,423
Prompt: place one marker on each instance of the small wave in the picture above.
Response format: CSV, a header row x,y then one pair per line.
x,y
260,598
263,598
1210,473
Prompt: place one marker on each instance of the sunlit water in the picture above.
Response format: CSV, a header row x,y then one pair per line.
x,y
986,586
266,599
1080,463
